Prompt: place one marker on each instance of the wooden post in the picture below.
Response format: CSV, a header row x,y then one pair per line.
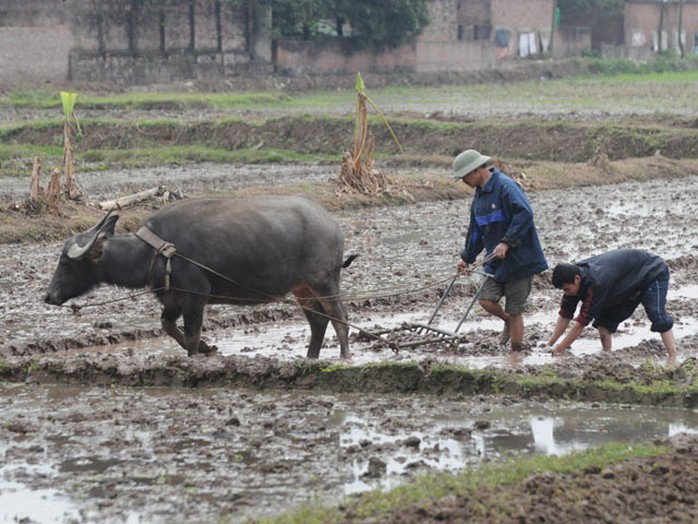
x,y
68,161
662,6
682,51
553,24
53,191
35,184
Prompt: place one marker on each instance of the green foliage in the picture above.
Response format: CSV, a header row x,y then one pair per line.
x,y
294,18
44,98
663,63
591,8
389,23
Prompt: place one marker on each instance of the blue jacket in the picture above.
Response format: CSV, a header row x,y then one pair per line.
x,y
500,212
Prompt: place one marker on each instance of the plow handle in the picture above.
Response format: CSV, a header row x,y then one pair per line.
x,y
443,297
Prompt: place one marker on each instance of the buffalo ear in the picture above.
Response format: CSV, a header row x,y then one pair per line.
x,y
108,228
83,243
95,250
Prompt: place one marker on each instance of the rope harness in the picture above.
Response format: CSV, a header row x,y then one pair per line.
x,y
162,247
168,250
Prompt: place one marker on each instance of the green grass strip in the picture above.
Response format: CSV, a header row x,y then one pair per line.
x,y
497,475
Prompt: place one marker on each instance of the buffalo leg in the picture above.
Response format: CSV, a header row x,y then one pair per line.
x,y
169,325
318,325
312,309
321,306
193,321
186,338
338,315
329,296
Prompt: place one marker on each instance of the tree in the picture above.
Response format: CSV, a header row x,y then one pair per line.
x,y
294,18
388,23
604,17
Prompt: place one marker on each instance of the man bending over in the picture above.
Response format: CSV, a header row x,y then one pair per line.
x,y
610,286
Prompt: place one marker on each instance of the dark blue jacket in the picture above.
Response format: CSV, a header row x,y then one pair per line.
x,y
500,212
611,279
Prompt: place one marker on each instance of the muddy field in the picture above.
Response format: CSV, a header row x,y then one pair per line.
x,y
247,452
104,419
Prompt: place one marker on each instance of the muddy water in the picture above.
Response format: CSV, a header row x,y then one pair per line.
x,y
174,455
166,455
407,256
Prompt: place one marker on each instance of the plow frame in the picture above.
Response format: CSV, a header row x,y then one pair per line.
x,y
438,334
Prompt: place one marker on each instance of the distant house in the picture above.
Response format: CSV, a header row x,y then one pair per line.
x,y
661,25
162,41
520,28
463,35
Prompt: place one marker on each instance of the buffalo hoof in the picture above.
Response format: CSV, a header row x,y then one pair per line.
x,y
212,350
207,350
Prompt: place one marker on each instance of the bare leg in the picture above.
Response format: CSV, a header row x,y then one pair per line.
x,y
514,323
606,338
516,328
493,308
669,343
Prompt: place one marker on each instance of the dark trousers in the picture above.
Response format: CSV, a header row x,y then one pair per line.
x,y
653,299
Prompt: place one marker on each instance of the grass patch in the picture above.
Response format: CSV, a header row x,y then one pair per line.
x,y
15,159
197,154
493,476
48,98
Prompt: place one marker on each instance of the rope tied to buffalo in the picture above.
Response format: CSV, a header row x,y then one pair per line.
x,y
162,247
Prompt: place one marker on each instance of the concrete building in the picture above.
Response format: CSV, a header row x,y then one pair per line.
x,y
161,41
661,25
463,35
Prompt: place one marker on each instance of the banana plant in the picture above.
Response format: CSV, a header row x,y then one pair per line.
x,y
70,126
357,166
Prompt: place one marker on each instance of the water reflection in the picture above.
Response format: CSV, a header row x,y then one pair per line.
x,y
270,449
40,505
523,429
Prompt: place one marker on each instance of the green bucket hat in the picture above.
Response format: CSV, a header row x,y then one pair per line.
x,y
467,161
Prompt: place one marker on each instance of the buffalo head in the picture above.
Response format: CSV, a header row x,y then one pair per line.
x,y
77,270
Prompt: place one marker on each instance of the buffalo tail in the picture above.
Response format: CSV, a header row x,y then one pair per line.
x,y
349,260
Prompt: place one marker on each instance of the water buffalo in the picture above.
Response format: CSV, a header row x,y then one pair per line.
x,y
217,251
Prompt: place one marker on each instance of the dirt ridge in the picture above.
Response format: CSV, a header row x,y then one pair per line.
x,y
603,381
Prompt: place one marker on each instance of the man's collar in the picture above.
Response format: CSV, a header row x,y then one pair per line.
x,y
487,186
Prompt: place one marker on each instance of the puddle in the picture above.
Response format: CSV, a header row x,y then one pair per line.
x,y
690,291
115,454
402,249
87,453
18,504
287,340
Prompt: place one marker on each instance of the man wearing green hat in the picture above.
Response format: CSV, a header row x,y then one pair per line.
x,y
501,223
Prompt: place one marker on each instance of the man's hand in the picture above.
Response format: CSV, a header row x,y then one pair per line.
x,y
462,266
500,251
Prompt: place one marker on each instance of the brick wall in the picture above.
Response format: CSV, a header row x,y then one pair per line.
x,y
641,27
34,54
34,41
298,57
174,40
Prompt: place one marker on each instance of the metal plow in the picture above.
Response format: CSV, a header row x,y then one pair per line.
x,y
428,333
